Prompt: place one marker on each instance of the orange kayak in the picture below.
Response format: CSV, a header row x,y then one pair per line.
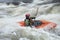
x,y
43,25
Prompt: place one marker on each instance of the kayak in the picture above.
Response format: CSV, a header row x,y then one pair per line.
x,y
43,24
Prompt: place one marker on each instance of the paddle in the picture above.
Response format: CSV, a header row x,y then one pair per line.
x,y
35,15
37,11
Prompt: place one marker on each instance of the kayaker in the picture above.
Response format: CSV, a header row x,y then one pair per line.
x,y
28,20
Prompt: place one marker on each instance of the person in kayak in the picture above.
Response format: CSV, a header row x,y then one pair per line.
x,y
28,20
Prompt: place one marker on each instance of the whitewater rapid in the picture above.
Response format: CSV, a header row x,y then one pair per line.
x,y
11,30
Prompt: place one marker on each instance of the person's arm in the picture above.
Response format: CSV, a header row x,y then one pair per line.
x,y
32,17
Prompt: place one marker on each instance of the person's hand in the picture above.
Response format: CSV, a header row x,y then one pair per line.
x,y
32,17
